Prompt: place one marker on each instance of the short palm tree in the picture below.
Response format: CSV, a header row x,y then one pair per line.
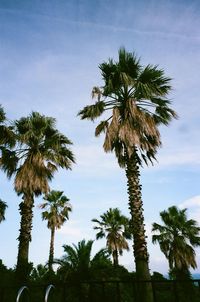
x,y
3,207
78,260
115,227
136,98
40,150
177,238
57,208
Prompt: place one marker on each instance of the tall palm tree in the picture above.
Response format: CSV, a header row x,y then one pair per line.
x,y
3,207
135,97
115,227
57,208
40,150
177,238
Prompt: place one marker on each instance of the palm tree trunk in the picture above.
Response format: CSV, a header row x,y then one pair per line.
x,y
115,258
137,221
26,211
185,287
51,250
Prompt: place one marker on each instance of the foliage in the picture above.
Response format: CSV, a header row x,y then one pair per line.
x,y
3,207
39,273
57,209
135,96
116,228
39,150
177,237
77,262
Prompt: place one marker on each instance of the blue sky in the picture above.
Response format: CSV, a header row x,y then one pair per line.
x,y
49,56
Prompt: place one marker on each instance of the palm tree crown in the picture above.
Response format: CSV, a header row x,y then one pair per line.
x,y
40,150
57,209
3,207
177,237
136,98
115,227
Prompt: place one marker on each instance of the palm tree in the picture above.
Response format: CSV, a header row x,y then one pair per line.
x,y
136,99
115,227
3,207
176,238
56,212
78,261
40,150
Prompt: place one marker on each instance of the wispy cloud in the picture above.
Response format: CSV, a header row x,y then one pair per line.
x,y
193,206
191,202
168,31
180,157
92,160
73,230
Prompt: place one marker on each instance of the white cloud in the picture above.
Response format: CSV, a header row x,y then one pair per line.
x,y
191,202
72,229
193,206
179,157
92,159
105,204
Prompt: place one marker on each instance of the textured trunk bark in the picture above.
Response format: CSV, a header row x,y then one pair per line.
x,y
115,258
137,223
26,211
51,250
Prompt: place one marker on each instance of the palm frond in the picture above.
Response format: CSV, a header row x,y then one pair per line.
x,y
93,111
177,237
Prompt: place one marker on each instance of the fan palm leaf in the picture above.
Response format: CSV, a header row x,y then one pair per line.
x,y
115,227
177,238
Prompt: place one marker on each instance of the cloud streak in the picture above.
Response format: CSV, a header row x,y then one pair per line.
x,y
191,202
168,31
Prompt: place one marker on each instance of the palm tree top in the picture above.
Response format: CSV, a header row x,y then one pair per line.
x,y
39,150
55,195
79,255
112,220
57,209
126,71
177,237
116,228
136,99
38,131
79,258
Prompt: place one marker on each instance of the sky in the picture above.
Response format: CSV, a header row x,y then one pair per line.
x,y
49,56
